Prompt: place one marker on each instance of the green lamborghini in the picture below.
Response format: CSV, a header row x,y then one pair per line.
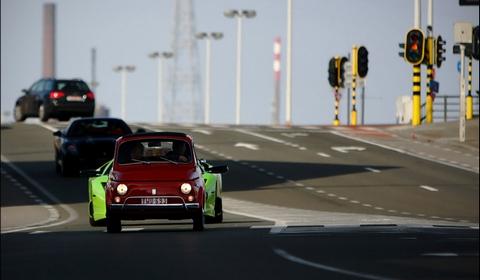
x,y
98,178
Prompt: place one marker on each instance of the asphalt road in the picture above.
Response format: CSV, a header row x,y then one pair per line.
x,y
303,204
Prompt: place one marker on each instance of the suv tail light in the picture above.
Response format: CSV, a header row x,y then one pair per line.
x,y
56,94
90,95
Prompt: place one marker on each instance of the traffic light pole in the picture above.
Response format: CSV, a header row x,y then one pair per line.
x,y
462,94
469,96
336,121
416,89
430,48
353,116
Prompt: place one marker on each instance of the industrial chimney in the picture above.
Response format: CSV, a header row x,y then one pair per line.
x,y
49,40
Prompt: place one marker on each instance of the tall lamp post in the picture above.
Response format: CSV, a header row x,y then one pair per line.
x,y
239,14
123,72
208,37
160,66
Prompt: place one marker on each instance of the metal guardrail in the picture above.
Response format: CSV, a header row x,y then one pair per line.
x,y
447,107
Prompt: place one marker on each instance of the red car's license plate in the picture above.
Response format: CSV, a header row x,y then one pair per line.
x,y
154,200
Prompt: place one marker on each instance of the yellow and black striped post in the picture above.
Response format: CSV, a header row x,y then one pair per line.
x,y
469,114
353,115
429,100
336,121
416,89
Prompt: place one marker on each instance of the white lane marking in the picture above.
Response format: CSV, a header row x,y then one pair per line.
x,y
442,254
133,229
38,232
298,260
428,188
246,145
323,155
320,191
273,139
309,188
346,149
354,201
72,214
402,151
203,131
295,134
372,170
302,148
49,127
299,184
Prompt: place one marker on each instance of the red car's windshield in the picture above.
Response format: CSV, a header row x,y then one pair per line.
x,y
154,150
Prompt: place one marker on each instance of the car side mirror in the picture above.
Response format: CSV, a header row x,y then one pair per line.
x,y
57,133
90,173
26,91
217,169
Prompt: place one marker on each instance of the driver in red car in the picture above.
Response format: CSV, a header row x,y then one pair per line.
x,y
178,152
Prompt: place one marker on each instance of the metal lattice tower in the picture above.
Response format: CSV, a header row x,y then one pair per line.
x,y
184,103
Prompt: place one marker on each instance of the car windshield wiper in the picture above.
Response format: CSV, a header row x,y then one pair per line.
x,y
142,161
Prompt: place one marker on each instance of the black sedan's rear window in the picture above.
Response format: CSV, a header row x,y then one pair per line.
x,y
98,128
71,86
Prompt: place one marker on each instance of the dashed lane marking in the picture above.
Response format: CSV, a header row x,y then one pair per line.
x,y
372,170
428,188
323,155
53,213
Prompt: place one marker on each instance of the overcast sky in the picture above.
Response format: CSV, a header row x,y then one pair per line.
x,y
125,32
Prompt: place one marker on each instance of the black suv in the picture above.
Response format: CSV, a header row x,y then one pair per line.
x,y
52,98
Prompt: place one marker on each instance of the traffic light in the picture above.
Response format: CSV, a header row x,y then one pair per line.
x,y
333,72
402,50
414,46
476,42
341,71
362,63
440,43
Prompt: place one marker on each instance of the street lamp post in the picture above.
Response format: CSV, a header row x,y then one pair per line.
x,y
208,37
239,14
160,66
123,72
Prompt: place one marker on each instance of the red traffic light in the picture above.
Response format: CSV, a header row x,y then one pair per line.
x,y
414,46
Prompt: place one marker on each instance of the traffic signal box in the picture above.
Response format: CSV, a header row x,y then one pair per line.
x,y
414,46
332,72
362,62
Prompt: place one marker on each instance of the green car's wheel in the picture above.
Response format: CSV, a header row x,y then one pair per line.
x,y
218,211
199,221
114,224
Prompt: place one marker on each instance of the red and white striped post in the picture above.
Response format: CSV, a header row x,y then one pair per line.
x,y
276,80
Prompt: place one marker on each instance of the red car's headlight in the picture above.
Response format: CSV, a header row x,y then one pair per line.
x,y
122,189
186,188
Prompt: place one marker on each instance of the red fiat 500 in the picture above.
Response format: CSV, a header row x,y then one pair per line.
x,y
154,176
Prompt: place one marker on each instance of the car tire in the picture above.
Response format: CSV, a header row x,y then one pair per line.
x,y
218,211
64,119
114,224
199,221
42,114
58,168
19,116
67,169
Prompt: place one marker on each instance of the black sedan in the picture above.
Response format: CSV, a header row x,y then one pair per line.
x,y
87,143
